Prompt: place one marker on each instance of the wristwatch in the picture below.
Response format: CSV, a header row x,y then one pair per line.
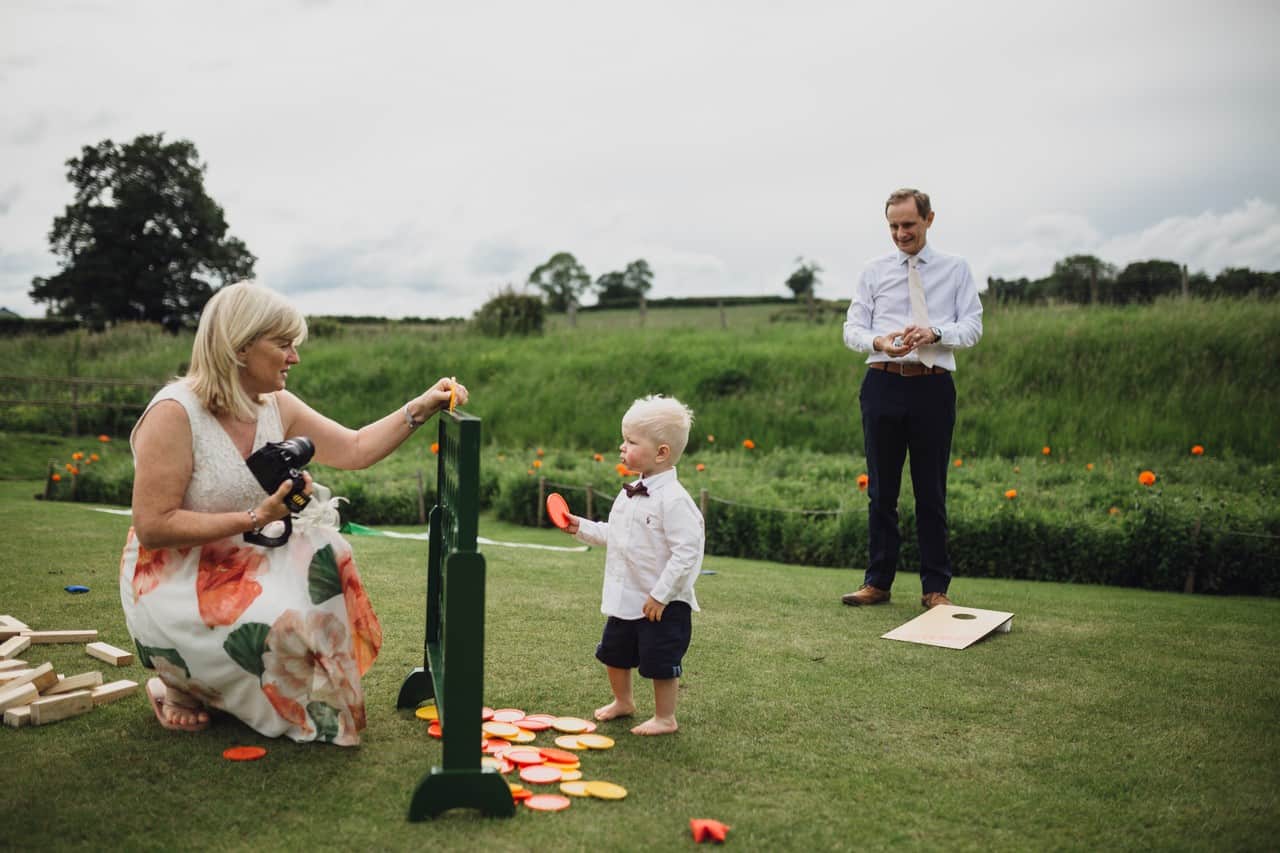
x,y
937,333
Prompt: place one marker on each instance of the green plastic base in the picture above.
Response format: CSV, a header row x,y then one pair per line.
x,y
417,688
441,790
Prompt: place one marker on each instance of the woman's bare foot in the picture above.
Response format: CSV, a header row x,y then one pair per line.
x,y
615,709
656,726
175,709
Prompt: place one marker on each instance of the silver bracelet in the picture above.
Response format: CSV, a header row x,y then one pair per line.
x,y
253,517
408,418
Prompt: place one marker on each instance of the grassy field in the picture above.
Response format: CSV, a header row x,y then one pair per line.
x,y
1108,718
1087,381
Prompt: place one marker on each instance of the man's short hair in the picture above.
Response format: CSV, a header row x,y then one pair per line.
x,y
921,199
663,420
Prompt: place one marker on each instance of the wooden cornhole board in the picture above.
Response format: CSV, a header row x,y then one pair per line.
x,y
952,627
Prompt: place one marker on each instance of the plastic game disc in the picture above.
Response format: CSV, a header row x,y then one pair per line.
x,y
571,775
547,803
559,755
243,753
507,715
558,510
531,725
595,741
560,765
434,729
521,794
569,742
486,714
606,790
427,712
503,730
523,757
522,736
540,774
570,725
574,788
544,718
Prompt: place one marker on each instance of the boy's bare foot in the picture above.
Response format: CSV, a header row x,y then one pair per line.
x,y
175,709
614,710
656,726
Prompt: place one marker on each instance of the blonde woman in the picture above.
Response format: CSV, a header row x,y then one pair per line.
x,y
279,637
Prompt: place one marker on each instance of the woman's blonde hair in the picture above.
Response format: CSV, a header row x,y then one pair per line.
x,y
234,318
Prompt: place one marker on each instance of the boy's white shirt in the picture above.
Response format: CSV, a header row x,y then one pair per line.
x,y
654,543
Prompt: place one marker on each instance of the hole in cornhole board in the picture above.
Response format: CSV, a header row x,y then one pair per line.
x,y
952,627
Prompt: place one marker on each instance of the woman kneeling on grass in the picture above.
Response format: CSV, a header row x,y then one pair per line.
x,y
277,636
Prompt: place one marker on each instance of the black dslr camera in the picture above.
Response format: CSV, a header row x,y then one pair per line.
x,y
272,464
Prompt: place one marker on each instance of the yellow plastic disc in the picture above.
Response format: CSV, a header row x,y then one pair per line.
x,y
427,712
595,741
563,765
515,786
570,725
502,730
574,788
569,742
522,736
571,775
606,790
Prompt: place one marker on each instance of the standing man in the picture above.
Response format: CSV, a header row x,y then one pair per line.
x,y
912,309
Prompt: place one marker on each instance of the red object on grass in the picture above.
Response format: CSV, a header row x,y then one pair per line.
x,y
558,510
705,828
243,753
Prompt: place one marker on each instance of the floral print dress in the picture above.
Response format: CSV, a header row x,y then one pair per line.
x,y
279,637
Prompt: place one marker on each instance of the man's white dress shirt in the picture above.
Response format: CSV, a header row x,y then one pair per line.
x,y
654,544
882,303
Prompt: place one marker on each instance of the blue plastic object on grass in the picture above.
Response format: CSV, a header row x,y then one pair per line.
x,y
75,587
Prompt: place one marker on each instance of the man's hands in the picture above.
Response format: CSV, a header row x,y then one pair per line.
x,y
653,609
903,341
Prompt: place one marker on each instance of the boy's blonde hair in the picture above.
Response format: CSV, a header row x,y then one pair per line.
x,y
664,420
234,318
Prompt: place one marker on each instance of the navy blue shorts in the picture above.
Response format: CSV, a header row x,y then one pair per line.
x,y
656,648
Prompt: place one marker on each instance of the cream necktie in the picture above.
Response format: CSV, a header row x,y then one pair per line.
x,y
919,310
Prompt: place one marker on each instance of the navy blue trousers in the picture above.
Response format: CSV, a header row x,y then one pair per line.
x,y
908,416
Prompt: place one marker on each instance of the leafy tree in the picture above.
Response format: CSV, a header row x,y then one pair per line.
x,y
625,288
510,313
639,276
804,281
1083,279
562,279
1143,281
142,240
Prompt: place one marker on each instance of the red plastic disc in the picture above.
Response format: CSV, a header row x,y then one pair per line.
x,y
531,725
540,774
558,755
558,510
243,753
547,802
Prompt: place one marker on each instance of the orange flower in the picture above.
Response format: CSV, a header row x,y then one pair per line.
x,y
698,467
104,438
289,710
863,481
150,569
597,457
1197,450
366,631
77,456
1045,450
57,478
958,463
1147,478
624,471
1113,511
539,451
711,439
529,472
537,463
748,444
1088,466
93,457
225,581
1011,494
73,470
435,447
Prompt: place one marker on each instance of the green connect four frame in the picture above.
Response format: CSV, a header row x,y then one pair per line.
x,y
452,668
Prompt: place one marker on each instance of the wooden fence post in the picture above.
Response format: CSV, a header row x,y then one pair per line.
x,y
542,498
422,500
591,500
724,321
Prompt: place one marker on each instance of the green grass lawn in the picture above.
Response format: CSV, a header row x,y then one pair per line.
x,y
1108,718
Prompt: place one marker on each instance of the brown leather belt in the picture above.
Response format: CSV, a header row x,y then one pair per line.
x,y
905,368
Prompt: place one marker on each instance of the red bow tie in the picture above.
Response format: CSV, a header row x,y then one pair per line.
x,y
637,489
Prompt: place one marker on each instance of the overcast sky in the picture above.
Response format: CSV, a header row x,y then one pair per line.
x,y
410,158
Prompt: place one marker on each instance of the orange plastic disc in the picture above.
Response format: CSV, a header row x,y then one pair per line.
x,y
434,729
558,510
545,718
486,714
243,753
540,774
523,757
547,803
532,725
522,794
559,755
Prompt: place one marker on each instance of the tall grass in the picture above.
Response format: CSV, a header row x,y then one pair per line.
x,y
1086,380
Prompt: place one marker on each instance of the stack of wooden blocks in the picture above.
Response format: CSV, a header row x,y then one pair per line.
x,y
36,695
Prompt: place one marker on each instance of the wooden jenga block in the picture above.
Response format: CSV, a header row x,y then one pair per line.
x,y
10,627
113,691
83,681
14,646
61,636
60,707
109,653
20,694
42,677
16,676
18,716
11,664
